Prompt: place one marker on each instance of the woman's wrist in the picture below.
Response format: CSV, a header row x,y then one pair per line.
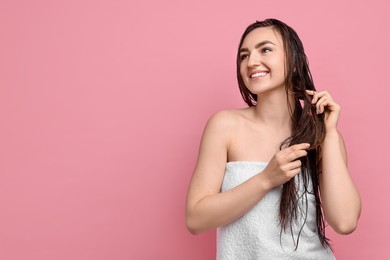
x,y
332,132
264,183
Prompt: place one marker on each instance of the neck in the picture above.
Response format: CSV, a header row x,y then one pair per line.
x,y
272,108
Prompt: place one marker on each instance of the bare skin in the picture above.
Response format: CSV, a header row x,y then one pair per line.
x,y
340,199
255,134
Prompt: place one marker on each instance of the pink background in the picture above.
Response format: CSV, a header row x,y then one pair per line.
x,y
102,105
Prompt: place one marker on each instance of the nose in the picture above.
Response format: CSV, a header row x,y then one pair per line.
x,y
254,60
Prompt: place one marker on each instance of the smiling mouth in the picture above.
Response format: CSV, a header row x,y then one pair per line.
x,y
258,74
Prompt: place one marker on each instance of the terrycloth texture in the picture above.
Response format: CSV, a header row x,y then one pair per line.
x,y
256,235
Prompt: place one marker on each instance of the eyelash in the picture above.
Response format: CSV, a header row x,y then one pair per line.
x,y
263,50
244,56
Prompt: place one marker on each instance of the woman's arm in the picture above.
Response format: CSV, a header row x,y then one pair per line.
x,y
340,199
207,207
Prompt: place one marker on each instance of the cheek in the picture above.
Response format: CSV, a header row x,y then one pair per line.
x,y
278,68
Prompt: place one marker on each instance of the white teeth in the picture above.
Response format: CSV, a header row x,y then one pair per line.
x,y
258,74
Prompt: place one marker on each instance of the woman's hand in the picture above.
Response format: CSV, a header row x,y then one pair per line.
x,y
325,104
284,165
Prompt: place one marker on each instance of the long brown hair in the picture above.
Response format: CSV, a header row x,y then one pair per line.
x,y
307,126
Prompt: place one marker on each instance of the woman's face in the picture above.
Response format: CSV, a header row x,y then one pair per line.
x,y
262,59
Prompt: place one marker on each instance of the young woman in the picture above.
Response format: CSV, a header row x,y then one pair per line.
x,y
268,176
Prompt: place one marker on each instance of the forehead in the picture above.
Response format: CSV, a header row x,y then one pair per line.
x,y
262,34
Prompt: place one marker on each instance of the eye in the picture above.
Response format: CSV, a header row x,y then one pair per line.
x,y
244,57
265,50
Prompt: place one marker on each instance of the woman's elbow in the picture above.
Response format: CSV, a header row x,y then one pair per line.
x,y
192,226
345,228
193,230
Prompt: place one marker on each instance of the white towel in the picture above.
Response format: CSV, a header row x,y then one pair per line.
x,y
256,235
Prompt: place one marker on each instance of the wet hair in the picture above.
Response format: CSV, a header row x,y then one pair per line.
x,y
307,127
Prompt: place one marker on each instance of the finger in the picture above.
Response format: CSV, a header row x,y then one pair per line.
x,y
291,169
295,147
299,146
310,92
292,165
327,104
321,104
313,94
318,95
296,151
291,153
293,172
292,156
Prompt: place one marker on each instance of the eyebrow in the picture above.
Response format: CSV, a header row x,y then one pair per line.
x,y
260,44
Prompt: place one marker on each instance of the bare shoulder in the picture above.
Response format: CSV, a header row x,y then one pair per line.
x,y
228,119
217,137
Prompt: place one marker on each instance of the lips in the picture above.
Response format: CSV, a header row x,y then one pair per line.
x,y
257,74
